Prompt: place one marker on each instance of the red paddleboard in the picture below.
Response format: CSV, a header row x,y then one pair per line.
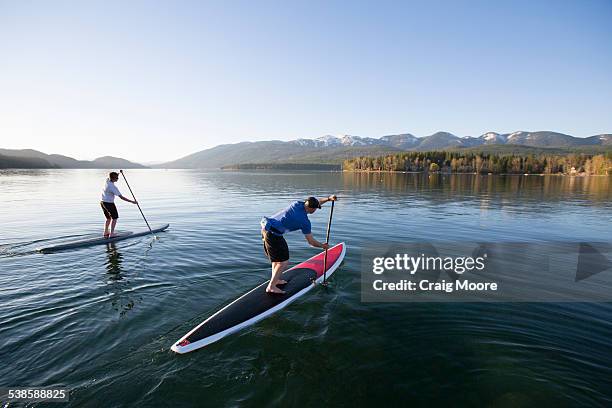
x,y
257,304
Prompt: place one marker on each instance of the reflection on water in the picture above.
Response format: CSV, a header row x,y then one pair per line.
x,y
113,264
595,187
466,186
118,286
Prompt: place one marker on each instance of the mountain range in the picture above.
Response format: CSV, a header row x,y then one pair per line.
x,y
323,150
29,158
335,149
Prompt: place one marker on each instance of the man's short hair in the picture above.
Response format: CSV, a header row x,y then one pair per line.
x,y
312,202
113,175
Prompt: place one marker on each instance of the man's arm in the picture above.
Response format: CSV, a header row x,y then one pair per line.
x,y
314,243
326,199
128,200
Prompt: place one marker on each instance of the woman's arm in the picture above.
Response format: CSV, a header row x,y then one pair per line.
x,y
128,200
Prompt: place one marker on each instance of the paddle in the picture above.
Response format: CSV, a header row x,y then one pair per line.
x,y
331,214
138,204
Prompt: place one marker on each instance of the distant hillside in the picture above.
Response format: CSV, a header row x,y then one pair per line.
x,y
523,150
334,150
284,166
271,152
12,162
439,141
110,162
553,139
28,158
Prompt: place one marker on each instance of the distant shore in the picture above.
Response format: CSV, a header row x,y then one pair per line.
x,y
477,162
475,174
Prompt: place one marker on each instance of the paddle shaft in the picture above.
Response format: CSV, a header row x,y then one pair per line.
x,y
134,197
331,214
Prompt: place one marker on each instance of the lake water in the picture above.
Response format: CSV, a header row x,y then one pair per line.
x,y
101,320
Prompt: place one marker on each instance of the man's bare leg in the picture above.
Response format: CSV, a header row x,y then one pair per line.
x,y
113,225
277,270
106,225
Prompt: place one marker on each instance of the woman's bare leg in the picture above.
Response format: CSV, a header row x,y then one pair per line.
x,y
113,225
106,225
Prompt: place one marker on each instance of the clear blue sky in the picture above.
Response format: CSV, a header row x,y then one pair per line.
x,y
159,80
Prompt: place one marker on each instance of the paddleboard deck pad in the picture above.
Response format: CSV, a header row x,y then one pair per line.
x,y
258,304
99,240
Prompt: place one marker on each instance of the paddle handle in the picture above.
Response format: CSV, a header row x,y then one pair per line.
x,y
331,214
138,204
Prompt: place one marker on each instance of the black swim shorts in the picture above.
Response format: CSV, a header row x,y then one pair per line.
x,y
275,247
110,210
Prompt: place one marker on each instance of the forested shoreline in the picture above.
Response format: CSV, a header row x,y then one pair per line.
x,y
485,163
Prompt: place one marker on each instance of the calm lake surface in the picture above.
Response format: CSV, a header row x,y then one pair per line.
x,y
101,320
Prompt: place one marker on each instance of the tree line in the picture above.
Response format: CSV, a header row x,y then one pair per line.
x,y
496,163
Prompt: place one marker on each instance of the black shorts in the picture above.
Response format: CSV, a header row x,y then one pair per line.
x,y
275,247
110,210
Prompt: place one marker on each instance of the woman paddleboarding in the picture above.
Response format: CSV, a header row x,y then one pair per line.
x,y
109,192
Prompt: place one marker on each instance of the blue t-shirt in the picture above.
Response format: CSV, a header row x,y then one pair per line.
x,y
291,218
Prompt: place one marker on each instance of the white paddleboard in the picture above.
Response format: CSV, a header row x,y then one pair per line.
x,y
99,240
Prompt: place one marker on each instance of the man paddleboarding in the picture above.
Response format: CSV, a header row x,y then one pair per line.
x,y
292,218
108,203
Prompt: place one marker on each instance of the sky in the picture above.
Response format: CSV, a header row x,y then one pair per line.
x,y
154,81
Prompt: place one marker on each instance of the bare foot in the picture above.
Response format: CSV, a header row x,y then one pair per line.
x,y
274,289
106,235
281,282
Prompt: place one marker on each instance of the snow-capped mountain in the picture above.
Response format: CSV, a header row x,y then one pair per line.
x,y
443,140
401,141
493,138
605,140
548,139
336,141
